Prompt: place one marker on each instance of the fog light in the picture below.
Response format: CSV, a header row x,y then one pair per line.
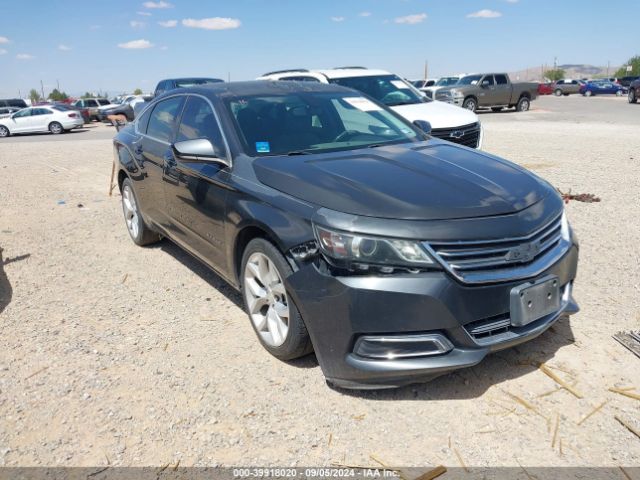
x,y
402,346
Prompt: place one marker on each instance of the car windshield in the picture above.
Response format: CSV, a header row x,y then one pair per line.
x,y
190,82
446,81
103,101
388,89
315,123
469,80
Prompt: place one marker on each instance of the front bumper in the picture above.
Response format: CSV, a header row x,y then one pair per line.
x,y
339,310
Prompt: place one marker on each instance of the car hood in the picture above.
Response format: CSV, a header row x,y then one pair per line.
x,y
431,180
438,114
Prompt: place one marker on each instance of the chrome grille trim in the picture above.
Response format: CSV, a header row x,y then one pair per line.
x,y
500,260
467,135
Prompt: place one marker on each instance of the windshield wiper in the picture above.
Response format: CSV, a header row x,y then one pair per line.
x,y
298,152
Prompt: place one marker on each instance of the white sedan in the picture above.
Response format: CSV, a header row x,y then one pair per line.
x,y
40,119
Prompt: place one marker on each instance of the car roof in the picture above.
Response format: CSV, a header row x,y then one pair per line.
x,y
258,87
351,72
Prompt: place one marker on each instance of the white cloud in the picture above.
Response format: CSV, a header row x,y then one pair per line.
x,y
4,40
214,23
168,23
3,51
160,4
64,48
485,13
144,14
136,24
136,44
364,14
25,56
164,47
337,19
411,19
512,1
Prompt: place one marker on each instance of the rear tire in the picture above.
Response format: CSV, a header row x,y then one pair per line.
x,y
4,131
557,92
138,231
56,128
588,93
619,93
267,303
632,96
470,104
523,105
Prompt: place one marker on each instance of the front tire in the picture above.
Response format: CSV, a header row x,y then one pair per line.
x,y
618,93
470,104
138,231
632,96
274,317
588,93
4,131
557,92
523,105
56,128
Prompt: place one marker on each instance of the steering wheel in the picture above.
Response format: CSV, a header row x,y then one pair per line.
x,y
346,135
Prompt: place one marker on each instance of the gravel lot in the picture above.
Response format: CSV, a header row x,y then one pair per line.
x,y
115,354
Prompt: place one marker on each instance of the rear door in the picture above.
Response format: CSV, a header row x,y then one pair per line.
x,y
40,119
195,191
502,94
150,151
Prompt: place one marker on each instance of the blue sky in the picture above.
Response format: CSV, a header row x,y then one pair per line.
x,y
82,44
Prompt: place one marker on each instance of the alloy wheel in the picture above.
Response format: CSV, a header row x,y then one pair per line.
x,y
130,209
266,299
4,131
55,128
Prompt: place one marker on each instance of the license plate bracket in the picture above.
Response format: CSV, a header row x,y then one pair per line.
x,y
531,301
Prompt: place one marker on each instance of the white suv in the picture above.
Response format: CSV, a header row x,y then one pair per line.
x,y
448,122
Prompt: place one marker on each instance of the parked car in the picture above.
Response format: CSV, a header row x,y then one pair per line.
x,y
13,102
602,88
493,90
94,105
441,83
173,83
393,255
126,107
567,87
7,111
545,88
634,91
40,119
626,81
448,122
420,84
84,112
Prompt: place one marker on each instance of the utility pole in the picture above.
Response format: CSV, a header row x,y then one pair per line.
x,y
58,84
42,89
228,76
426,69
555,63
608,66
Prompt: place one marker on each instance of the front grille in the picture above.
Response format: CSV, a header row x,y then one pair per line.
x,y
489,327
504,259
467,135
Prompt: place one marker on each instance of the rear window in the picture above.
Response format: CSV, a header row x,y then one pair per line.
x,y
103,101
190,82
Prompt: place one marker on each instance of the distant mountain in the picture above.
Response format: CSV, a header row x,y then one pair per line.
x,y
536,74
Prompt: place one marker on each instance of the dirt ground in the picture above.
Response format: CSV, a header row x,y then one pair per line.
x,y
115,354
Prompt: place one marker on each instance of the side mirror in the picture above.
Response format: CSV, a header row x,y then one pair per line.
x,y
198,150
423,125
485,83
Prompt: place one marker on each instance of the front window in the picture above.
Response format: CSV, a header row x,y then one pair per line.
x,y
23,113
470,80
388,89
104,101
315,123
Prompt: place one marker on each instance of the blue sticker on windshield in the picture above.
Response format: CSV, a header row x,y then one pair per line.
x,y
263,147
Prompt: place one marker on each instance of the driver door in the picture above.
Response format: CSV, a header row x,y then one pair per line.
x,y
196,191
21,121
487,91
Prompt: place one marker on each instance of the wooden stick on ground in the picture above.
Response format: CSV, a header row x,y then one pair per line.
x,y
627,426
626,393
455,450
431,474
592,412
555,431
547,371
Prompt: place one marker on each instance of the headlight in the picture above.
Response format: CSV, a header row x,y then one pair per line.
x,y
346,249
457,93
565,228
